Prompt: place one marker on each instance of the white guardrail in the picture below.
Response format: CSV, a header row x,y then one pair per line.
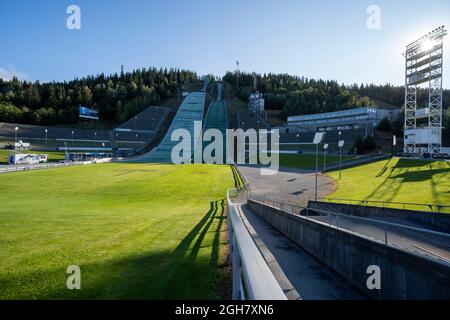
x,y
252,278
20,168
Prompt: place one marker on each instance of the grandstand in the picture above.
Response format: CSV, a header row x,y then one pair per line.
x,y
140,130
247,119
133,134
190,110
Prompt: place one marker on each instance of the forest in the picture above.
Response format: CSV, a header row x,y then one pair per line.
x,y
117,97
299,95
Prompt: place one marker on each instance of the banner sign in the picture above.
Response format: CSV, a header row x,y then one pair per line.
x,y
88,113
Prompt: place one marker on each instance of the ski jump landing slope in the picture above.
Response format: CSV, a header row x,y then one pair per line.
x,y
190,110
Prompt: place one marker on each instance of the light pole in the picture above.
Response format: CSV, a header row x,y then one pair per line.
x,y
15,136
394,143
95,138
46,131
72,139
340,145
325,147
318,139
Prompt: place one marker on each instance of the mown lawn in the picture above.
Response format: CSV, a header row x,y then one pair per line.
x,y
396,180
303,161
307,161
137,231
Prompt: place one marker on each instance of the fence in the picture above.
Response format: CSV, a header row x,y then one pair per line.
x,y
19,168
388,233
252,278
390,204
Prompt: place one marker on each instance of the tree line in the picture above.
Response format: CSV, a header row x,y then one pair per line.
x,y
117,97
299,95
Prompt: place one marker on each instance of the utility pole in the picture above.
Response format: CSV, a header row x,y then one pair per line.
x,y
237,74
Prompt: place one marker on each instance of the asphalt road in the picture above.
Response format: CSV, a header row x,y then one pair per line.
x,y
289,185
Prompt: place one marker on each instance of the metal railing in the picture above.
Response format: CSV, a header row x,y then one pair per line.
x,y
387,233
20,168
392,204
252,278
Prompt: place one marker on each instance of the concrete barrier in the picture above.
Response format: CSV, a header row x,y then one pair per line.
x,y
403,275
439,221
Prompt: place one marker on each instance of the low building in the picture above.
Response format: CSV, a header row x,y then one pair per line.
x,y
20,145
19,158
349,119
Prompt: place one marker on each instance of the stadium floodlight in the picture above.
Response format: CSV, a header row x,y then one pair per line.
x,y
46,131
423,66
427,45
318,139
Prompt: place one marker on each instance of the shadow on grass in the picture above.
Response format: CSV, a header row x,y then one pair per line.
x,y
191,271
408,171
238,183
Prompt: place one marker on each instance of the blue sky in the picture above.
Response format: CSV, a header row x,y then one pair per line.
x,y
316,39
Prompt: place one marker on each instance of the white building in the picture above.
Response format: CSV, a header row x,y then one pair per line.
x,y
343,120
19,158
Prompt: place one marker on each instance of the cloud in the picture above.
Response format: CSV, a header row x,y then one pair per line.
x,y
7,72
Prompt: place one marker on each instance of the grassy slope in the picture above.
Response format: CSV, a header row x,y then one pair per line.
x,y
136,231
53,156
396,180
306,161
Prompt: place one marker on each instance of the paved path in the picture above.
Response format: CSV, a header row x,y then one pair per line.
x,y
297,187
433,246
299,274
290,185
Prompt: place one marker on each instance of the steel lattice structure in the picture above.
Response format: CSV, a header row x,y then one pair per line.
x,y
424,61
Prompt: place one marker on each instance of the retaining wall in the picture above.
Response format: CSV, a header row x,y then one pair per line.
x,y
440,221
403,275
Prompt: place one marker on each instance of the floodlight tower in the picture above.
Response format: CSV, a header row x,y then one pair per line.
x,y
424,61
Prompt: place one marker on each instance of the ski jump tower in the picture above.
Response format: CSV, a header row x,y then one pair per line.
x,y
424,61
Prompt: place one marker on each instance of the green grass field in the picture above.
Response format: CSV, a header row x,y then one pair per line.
x,y
136,231
396,180
53,156
307,161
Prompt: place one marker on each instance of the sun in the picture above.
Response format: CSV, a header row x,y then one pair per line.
x,y
427,45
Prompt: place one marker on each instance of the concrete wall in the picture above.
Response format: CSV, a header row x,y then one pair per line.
x,y
440,221
403,275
